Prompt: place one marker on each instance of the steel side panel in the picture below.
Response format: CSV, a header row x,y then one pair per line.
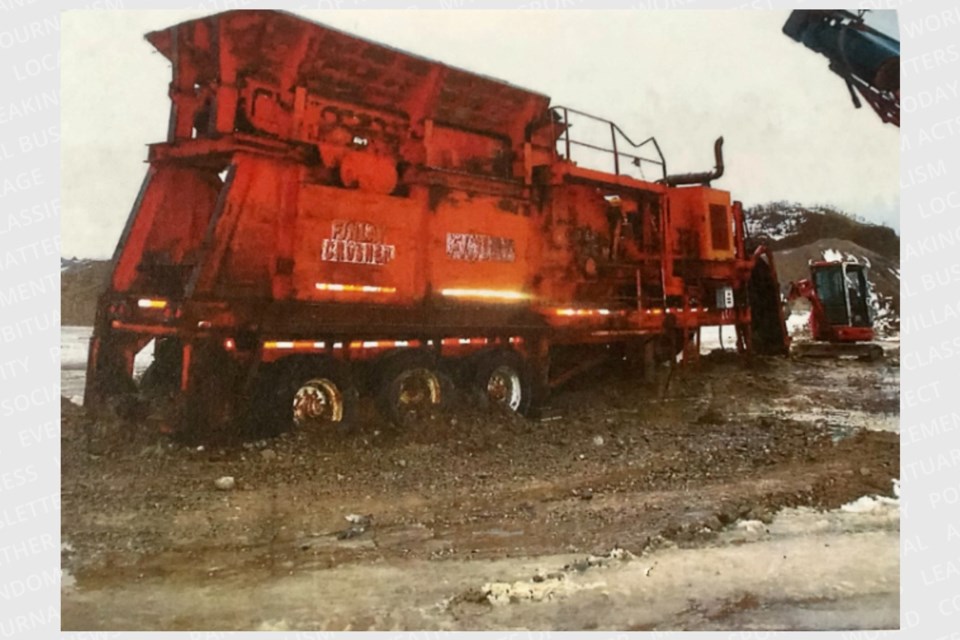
x,y
390,229
476,244
167,221
261,194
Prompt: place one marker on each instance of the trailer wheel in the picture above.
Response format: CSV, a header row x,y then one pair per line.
x,y
503,381
410,388
306,394
318,401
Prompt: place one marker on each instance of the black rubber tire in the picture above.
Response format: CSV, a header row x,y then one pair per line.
x,y
162,376
390,383
769,334
159,381
489,363
209,410
272,403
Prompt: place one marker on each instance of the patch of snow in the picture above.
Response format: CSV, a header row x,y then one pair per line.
x,y
752,527
74,343
776,221
832,255
874,504
869,504
798,322
710,338
67,581
66,264
274,625
504,593
886,322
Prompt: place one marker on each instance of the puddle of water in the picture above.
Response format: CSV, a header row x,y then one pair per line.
x,y
880,514
505,593
67,581
497,533
841,424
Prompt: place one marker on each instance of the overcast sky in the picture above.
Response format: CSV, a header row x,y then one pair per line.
x,y
791,132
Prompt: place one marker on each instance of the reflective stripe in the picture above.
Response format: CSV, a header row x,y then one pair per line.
x,y
353,288
585,312
488,294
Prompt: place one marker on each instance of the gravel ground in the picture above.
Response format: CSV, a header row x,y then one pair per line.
x,y
611,464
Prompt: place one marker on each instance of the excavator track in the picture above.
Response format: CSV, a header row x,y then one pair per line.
x,y
860,350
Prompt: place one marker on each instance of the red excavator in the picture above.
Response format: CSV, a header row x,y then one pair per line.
x,y
841,319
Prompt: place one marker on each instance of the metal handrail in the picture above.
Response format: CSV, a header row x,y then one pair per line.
x,y
614,131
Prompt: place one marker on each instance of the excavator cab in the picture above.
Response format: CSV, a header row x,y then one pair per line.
x,y
843,291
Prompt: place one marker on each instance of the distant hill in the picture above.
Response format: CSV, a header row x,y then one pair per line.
x,y
81,281
786,225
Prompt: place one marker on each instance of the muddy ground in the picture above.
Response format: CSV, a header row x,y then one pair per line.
x,y
476,520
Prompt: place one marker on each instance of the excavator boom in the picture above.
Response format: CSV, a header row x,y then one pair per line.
x,y
868,60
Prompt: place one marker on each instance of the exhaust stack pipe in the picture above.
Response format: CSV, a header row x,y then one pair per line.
x,y
704,177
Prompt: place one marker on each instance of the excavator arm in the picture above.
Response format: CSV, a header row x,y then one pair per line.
x,y
805,289
867,60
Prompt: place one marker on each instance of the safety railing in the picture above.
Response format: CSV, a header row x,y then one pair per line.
x,y
619,141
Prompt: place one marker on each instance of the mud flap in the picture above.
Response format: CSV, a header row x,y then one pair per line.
x,y
767,326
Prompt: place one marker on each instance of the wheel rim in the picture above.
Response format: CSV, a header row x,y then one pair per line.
x,y
418,390
317,401
503,387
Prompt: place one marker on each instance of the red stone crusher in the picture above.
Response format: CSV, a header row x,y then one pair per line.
x,y
331,218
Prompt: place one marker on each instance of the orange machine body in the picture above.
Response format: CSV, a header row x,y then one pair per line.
x,y
317,189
